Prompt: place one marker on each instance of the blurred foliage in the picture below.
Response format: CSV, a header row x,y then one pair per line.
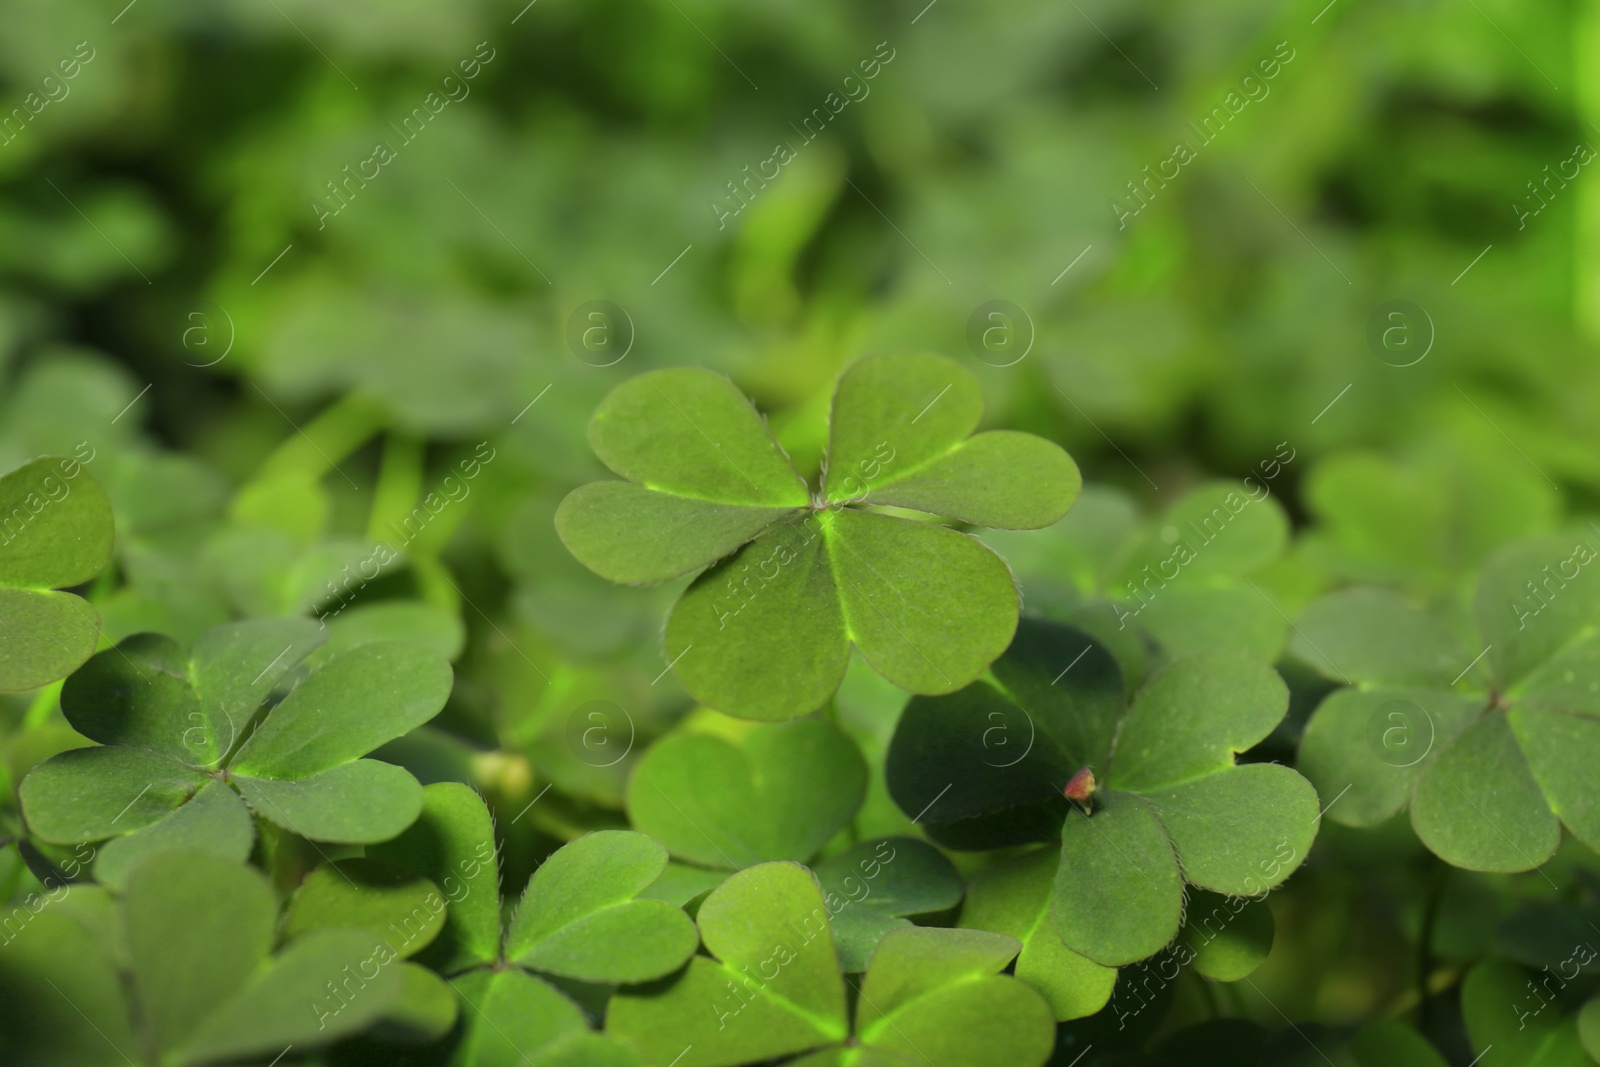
x,y
322,377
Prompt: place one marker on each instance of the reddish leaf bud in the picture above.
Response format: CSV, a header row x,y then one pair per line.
x,y
1081,789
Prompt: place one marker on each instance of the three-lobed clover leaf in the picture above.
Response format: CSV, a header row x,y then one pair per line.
x,y
771,987
1182,578
884,881
185,753
1173,808
1016,897
180,971
401,911
1505,1009
779,794
793,578
582,917
1493,747
1428,519
56,530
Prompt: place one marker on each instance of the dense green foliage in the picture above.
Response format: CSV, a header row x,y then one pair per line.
x,y
553,534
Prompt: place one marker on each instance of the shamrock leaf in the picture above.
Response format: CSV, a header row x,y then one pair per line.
x,y
884,881
185,750
1505,1009
1173,808
1228,937
452,844
1492,746
1015,898
55,531
193,979
1430,518
793,577
402,912
771,987
581,917
780,794
1181,578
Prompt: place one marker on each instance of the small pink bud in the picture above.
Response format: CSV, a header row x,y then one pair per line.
x,y
1081,789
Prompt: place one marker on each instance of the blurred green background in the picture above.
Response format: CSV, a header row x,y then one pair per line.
x,y
279,316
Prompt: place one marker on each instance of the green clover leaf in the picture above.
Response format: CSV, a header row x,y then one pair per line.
x,y
1504,1009
1015,897
779,794
771,987
192,978
55,531
583,916
884,880
1182,577
1173,808
793,578
396,908
1493,748
186,753
1427,519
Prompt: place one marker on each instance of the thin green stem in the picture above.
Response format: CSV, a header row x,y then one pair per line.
x,y
319,445
1438,881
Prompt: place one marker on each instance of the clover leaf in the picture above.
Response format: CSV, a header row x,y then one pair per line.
x,y
794,577
1015,897
779,794
1172,806
1493,745
1229,937
1182,577
55,531
1504,1008
192,978
399,910
772,987
185,751
1428,519
884,880
581,917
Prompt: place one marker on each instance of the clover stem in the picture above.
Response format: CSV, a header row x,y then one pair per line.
x,y
44,702
1438,882
338,430
399,483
